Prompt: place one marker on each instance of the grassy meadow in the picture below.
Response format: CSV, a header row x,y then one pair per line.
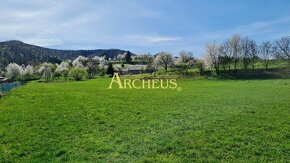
x,y
209,120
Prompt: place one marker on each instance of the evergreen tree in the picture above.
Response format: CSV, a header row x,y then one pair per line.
x,y
110,69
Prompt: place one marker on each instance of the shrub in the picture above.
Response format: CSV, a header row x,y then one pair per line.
x,y
56,74
62,69
28,73
78,73
46,71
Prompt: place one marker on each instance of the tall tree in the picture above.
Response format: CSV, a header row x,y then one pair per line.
x,y
246,52
226,55
186,58
110,69
253,53
266,51
164,59
235,44
211,58
283,48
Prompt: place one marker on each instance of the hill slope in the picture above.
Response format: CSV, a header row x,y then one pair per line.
x,y
22,53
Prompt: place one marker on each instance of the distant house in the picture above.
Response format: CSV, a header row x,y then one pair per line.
x,y
136,69
131,69
119,70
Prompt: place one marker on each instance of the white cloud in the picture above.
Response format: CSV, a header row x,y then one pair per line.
x,y
152,39
125,24
70,23
157,39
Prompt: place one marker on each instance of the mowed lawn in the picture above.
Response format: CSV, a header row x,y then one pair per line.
x,y
206,121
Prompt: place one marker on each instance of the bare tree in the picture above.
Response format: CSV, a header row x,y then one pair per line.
x,y
226,55
235,44
211,57
143,58
246,52
186,58
283,48
164,59
266,51
253,53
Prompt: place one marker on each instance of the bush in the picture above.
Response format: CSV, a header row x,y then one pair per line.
x,y
28,73
56,74
13,71
78,73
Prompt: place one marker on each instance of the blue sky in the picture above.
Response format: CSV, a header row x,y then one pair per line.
x,y
141,26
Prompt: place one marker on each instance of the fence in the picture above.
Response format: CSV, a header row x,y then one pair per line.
x,y
5,87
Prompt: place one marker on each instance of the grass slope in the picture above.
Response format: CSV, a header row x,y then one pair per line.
x,y
206,121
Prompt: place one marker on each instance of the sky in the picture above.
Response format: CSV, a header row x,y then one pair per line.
x,y
141,26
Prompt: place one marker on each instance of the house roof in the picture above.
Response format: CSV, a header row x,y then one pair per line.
x,y
131,68
118,68
136,67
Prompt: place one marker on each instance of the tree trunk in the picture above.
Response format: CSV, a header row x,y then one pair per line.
x,y
236,66
216,70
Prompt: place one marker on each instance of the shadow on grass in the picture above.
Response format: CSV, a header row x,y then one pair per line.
x,y
277,73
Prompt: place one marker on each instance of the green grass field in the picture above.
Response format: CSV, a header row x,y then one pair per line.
x,y
206,121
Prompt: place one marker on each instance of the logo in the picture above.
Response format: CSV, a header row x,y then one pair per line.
x,y
143,83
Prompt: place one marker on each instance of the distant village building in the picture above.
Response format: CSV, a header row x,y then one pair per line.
x,y
131,69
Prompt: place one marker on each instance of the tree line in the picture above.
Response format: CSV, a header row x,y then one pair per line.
x,y
245,52
22,53
229,56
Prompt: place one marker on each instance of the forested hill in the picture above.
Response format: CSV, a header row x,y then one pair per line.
x,y
22,53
